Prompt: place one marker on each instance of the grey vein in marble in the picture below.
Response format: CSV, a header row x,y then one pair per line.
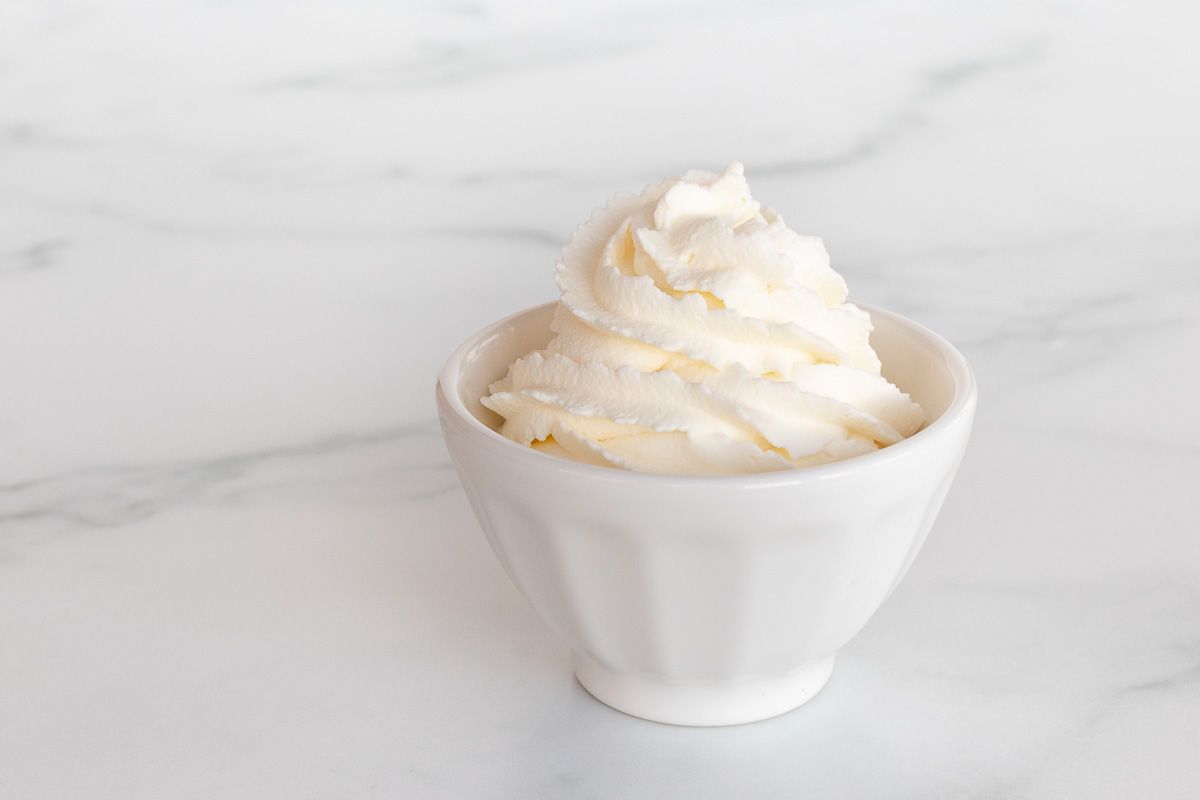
x,y
523,235
911,114
119,494
35,257
448,65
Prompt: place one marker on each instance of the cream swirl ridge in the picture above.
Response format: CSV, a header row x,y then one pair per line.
x,y
698,334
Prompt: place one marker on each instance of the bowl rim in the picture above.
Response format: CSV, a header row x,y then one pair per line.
x,y
962,406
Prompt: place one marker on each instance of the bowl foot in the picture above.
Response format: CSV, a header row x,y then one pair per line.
x,y
702,703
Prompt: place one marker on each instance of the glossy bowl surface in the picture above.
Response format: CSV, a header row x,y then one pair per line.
x,y
706,600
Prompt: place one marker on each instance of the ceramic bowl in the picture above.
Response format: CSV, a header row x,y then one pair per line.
x,y
706,600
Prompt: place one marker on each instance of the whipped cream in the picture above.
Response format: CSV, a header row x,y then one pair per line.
x,y
698,334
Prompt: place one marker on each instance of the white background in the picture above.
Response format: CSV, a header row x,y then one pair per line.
x,y
238,238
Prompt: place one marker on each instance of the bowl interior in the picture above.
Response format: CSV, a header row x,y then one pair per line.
x,y
913,359
496,348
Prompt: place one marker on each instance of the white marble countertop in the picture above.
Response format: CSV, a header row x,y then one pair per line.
x,y
237,240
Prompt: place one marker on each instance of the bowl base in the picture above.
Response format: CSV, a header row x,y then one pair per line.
x,y
708,703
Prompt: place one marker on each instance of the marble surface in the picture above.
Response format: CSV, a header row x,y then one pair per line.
x,y
237,239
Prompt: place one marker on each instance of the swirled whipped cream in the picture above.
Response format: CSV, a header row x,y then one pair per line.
x,y
698,334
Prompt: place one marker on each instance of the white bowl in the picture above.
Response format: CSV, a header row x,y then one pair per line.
x,y
706,600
